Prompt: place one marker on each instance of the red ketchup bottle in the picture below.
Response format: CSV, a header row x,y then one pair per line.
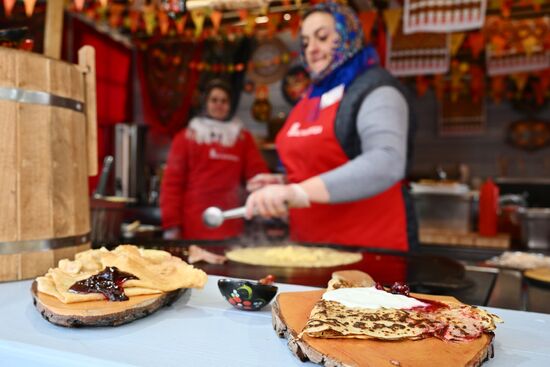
x,y
488,208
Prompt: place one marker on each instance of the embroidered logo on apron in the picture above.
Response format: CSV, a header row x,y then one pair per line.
x,y
296,130
214,154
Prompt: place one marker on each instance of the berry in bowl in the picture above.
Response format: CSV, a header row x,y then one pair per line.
x,y
248,295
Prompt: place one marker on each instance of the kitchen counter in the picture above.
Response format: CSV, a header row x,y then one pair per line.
x,y
434,272
202,329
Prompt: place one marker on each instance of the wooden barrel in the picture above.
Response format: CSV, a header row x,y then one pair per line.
x,y
48,147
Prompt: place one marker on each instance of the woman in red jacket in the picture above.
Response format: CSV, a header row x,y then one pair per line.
x,y
346,146
208,164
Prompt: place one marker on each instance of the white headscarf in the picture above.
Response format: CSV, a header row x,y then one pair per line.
x,y
205,130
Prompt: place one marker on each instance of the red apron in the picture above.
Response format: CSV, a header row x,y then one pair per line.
x,y
308,147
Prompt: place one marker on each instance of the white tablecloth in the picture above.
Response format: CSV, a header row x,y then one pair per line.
x,y
202,329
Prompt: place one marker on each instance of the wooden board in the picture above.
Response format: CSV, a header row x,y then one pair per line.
x,y
100,313
469,239
291,311
539,276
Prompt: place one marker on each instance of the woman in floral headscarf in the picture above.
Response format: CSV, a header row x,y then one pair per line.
x,y
346,146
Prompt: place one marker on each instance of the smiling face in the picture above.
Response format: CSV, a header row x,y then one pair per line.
x,y
319,39
218,104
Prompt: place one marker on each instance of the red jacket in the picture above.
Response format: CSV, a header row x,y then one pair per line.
x,y
201,175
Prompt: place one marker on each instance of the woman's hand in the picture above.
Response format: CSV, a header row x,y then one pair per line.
x,y
274,200
264,179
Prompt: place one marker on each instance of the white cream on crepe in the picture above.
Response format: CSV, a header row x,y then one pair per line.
x,y
371,298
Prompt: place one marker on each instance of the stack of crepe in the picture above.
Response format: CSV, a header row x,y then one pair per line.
x,y
452,321
158,272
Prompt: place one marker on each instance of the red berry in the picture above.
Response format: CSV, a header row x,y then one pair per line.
x,y
400,288
379,286
267,280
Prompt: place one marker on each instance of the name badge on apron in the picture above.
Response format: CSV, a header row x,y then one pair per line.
x,y
332,96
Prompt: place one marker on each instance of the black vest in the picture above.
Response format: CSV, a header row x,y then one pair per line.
x,y
345,128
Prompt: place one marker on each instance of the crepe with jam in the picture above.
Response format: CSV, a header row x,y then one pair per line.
x,y
144,272
444,320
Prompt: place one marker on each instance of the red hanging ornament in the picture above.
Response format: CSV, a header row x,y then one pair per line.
x,y
476,41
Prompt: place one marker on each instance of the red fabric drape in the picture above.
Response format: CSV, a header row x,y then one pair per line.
x,y
168,85
114,85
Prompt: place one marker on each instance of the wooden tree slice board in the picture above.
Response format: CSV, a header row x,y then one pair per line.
x,y
100,313
291,311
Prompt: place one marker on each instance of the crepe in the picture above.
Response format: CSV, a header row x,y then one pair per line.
x,y
448,321
293,256
158,272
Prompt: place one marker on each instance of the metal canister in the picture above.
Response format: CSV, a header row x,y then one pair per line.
x,y
535,228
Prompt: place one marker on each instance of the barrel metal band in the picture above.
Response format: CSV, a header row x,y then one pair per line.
x,y
43,98
41,245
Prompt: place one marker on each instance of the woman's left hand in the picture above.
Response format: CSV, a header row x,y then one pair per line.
x,y
274,200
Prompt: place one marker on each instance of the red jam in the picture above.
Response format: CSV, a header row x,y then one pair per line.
x,y
432,305
107,282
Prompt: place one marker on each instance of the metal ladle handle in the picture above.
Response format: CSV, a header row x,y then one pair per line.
x,y
214,217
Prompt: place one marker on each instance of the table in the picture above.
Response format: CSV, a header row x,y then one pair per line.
x,y
202,329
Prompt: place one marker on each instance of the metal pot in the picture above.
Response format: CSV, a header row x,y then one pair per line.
x,y
535,228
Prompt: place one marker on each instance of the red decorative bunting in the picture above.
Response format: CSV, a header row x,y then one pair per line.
x,y
476,41
8,7
367,21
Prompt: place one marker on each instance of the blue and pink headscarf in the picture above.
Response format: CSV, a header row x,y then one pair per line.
x,y
350,58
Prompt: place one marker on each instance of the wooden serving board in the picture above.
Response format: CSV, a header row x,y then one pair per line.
x,y
100,313
291,311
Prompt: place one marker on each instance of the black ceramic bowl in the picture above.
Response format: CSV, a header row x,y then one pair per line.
x,y
246,295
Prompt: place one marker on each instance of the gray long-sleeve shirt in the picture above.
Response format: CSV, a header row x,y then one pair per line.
x,y
382,124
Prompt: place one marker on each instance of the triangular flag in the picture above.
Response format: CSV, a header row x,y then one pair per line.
x,y
180,23
150,19
392,17
422,85
164,22
8,7
115,16
498,42
273,23
294,25
79,4
243,14
367,21
529,44
456,40
476,41
198,16
264,10
506,8
135,17
216,18
494,4
250,24
29,7
521,82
